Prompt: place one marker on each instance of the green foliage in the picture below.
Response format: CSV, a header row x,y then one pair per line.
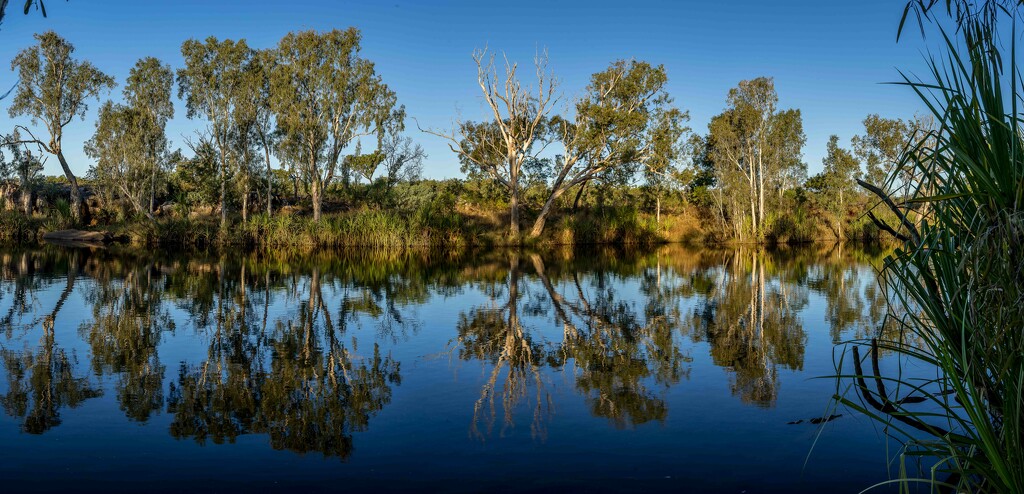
x,y
17,228
958,272
59,217
364,164
19,162
625,146
53,89
180,232
325,95
130,150
755,149
884,143
796,226
620,225
210,81
624,123
834,186
364,228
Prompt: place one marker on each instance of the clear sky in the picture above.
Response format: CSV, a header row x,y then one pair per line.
x,y
828,58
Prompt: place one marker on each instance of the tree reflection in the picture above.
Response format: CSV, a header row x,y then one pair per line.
x,y
750,320
298,384
494,334
128,318
615,351
41,383
267,345
25,274
621,359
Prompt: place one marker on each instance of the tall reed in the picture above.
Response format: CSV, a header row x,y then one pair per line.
x,y
959,271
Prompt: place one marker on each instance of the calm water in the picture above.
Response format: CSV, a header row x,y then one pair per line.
x,y
600,370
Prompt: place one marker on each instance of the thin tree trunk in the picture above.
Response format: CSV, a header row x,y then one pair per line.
x,y
514,215
538,224
270,180
842,214
152,189
223,201
513,181
26,195
753,209
760,195
315,194
245,203
26,201
579,194
76,193
223,190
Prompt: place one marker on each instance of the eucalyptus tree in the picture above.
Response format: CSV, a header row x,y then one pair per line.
x,y
787,170
191,176
363,164
120,148
253,114
210,83
883,144
247,162
733,186
625,118
148,91
753,144
324,96
290,153
19,162
397,158
703,188
53,89
514,132
836,181
663,168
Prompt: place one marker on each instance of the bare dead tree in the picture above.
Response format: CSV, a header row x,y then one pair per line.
x,y
499,147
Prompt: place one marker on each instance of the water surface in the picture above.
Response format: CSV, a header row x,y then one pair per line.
x,y
603,370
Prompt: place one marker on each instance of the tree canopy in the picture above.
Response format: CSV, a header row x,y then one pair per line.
x,y
54,89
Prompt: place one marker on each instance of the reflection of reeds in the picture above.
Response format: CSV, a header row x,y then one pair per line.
x,y
958,273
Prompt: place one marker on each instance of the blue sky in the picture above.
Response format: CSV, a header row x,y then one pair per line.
x,y
828,58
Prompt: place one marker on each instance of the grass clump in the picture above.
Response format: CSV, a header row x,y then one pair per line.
x,y
608,225
17,228
364,228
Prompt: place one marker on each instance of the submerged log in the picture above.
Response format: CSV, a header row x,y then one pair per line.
x,y
77,236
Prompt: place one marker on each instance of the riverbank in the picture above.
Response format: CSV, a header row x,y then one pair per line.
x,y
391,229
